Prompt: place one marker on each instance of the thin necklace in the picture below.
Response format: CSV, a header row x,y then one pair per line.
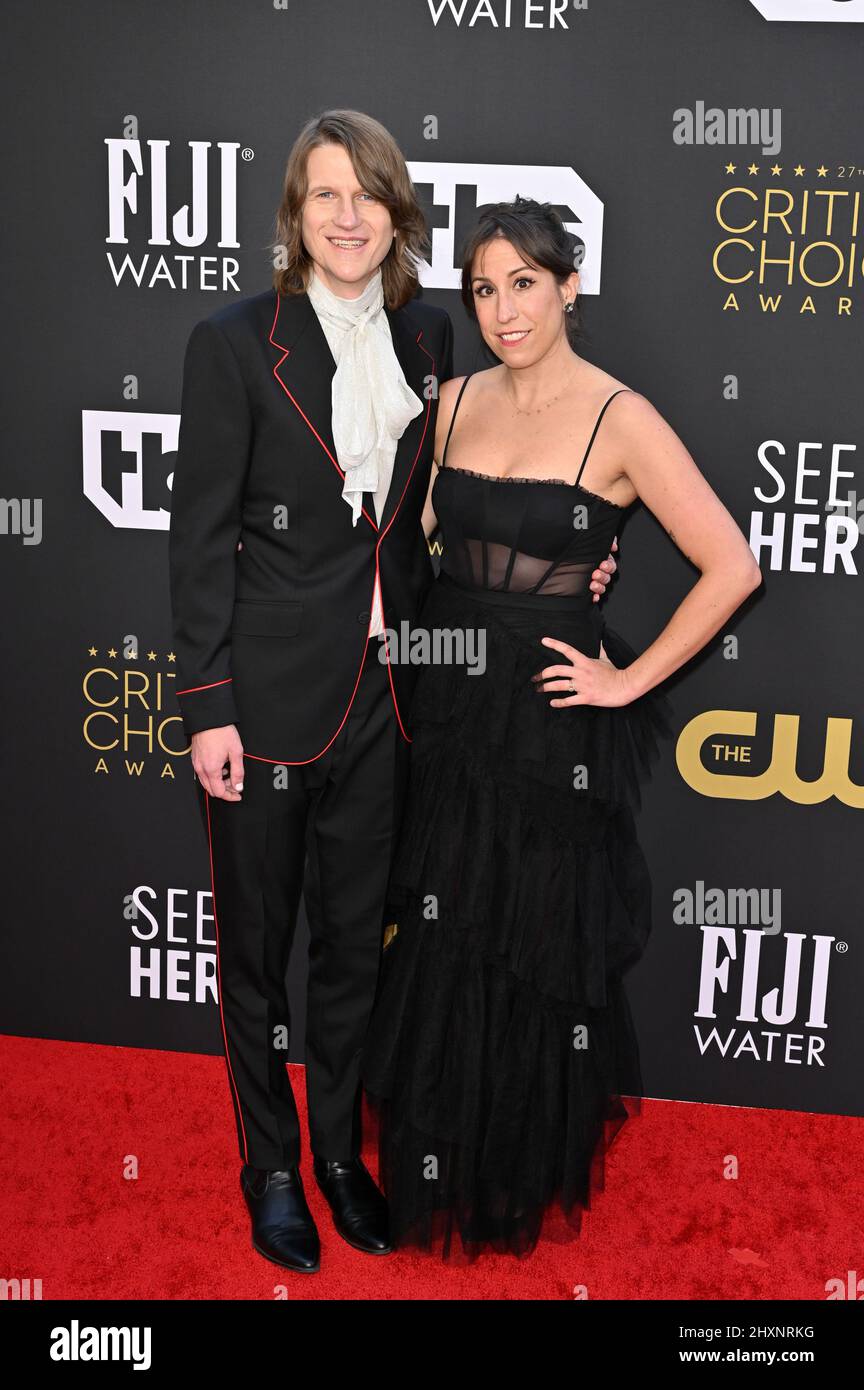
x,y
537,409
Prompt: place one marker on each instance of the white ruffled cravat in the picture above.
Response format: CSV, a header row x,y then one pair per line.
x,y
372,401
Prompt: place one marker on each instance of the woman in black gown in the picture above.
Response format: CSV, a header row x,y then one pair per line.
x,y
501,1047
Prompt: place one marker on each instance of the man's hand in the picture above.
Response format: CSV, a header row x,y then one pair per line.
x,y
211,750
600,578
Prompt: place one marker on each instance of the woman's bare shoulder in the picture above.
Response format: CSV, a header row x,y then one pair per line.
x,y
602,384
449,390
487,376
629,409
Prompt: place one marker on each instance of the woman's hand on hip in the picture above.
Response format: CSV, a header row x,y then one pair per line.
x,y
583,680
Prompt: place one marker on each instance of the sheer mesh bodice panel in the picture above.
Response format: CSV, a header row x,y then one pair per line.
x,y
535,536
521,535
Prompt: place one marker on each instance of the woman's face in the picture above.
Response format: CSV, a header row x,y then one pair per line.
x,y
519,306
345,230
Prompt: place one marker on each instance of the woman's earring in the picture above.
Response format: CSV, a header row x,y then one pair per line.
x,y
568,307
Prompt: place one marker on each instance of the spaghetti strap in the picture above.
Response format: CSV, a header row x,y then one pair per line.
x,y
453,417
597,426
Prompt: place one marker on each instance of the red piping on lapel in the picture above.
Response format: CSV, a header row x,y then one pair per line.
x,y
302,762
390,523
286,353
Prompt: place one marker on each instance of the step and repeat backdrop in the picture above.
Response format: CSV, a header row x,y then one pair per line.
x,y
710,156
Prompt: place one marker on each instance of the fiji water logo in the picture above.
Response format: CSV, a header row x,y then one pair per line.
x,y
180,244
779,985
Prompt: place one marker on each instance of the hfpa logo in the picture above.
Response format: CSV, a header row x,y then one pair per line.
x,y
128,466
451,194
821,11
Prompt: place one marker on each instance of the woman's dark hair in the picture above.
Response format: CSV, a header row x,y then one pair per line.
x,y
538,232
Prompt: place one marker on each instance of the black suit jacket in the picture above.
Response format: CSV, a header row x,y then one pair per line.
x,y
272,636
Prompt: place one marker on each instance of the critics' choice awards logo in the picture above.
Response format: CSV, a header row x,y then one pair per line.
x,y
172,954
130,721
788,237
166,240
813,11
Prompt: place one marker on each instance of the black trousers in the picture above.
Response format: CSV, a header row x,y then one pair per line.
x,y
324,828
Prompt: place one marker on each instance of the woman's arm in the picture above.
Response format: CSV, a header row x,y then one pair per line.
x,y
430,520
666,478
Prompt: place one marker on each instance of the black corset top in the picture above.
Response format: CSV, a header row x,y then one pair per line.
x,y
521,535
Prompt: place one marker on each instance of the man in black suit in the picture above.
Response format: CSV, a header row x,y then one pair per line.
x,y
307,430
273,584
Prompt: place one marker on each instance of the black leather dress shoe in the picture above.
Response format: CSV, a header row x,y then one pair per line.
x,y
359,1210
283,1229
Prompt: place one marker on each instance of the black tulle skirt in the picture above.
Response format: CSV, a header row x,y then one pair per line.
x,y
501,1059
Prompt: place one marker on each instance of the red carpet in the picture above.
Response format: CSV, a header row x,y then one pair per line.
x,y
667,1225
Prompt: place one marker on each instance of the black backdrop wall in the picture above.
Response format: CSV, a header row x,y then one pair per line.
x,y
724,280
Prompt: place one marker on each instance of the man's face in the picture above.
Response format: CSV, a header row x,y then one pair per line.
x,y
346,231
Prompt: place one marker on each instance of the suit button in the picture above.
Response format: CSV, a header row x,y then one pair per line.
x,y
364,616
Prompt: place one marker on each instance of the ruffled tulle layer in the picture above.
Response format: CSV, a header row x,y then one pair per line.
x,y
495,1105
501,1060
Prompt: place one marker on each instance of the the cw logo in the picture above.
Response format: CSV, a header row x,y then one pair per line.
x,y
128,466
724,725
450,195
823,11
